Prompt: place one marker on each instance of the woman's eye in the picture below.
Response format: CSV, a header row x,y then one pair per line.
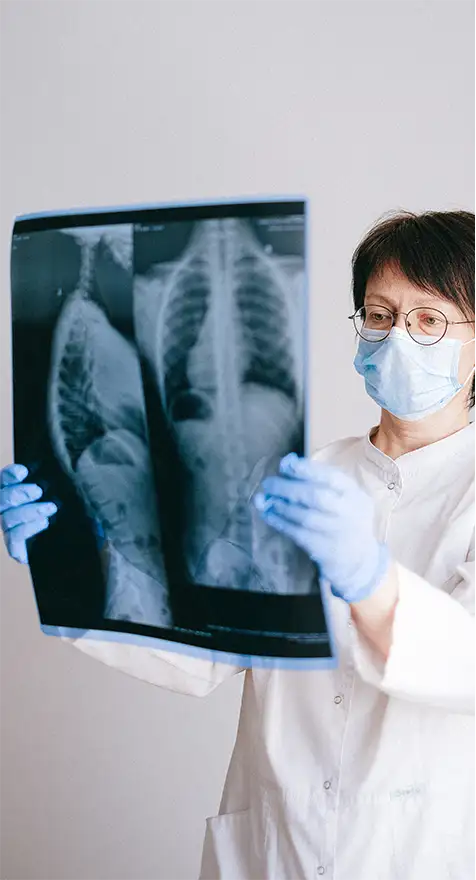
x,y
377,316
430,320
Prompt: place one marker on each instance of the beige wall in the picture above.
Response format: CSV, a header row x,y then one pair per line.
x,y
362,106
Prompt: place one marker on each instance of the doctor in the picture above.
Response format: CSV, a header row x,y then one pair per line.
x,y
364,772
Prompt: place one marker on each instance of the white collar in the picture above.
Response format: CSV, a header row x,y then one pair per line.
x,y
460,444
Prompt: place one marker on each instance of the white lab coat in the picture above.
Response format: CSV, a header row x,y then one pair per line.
x,y
364,772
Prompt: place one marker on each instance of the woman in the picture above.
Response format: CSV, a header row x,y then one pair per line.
x,y
363,772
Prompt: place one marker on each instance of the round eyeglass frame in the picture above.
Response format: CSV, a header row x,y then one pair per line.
x,y
405,315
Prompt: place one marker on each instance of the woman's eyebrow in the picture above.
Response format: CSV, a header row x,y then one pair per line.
x,y
421,301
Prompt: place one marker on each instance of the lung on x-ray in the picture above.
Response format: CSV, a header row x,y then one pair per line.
x,y
159,372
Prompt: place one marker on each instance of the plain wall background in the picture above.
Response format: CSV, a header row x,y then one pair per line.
x,y
364,107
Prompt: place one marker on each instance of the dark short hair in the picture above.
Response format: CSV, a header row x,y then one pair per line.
x,y
434,250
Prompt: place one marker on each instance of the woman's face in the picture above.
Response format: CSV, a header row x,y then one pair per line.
x,y
392,289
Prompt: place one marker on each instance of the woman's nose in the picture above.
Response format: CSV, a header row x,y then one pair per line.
x,y
400,321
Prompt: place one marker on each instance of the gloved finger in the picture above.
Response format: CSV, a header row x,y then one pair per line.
x,y
307,493
17,550
18,494
15,539
13,473
317,472
301,536
26,513
314,521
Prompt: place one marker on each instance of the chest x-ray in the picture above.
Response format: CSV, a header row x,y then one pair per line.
x,y
159,376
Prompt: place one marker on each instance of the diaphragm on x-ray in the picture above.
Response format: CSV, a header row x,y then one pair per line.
x,y
159,362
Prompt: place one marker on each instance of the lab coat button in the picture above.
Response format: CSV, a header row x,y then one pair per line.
x,y
327,784
391,486
338,699
321,870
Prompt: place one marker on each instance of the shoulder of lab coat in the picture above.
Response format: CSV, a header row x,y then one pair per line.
x,y
431,659
176,672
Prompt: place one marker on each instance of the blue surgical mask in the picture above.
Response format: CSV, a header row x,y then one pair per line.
x,y
410,380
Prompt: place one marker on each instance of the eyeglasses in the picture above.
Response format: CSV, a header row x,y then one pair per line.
x,y
425,326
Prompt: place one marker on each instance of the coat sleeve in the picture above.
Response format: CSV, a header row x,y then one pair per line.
x,y
431,659
173,671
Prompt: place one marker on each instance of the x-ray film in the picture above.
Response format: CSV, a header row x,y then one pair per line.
x,y
159,372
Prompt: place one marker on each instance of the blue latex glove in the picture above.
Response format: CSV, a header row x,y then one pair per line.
x,y
329,516
22,515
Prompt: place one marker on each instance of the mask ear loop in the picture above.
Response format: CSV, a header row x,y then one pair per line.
x,y
468,378
473,371
472,368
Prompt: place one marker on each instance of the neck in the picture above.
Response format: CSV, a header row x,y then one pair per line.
x,y
395,437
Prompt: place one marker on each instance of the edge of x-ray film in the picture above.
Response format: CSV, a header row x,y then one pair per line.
x,y
116,427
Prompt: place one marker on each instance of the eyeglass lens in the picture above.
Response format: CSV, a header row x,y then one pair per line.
x,y
425,326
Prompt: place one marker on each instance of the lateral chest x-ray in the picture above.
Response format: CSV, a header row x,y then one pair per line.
x,y
159,375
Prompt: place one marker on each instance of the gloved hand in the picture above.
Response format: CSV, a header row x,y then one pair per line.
x,y
329,516
22,515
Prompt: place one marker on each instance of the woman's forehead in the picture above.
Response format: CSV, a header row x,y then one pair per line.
x,y
392,287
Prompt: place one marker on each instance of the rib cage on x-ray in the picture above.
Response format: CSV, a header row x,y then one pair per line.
x,y
221,329
98,429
